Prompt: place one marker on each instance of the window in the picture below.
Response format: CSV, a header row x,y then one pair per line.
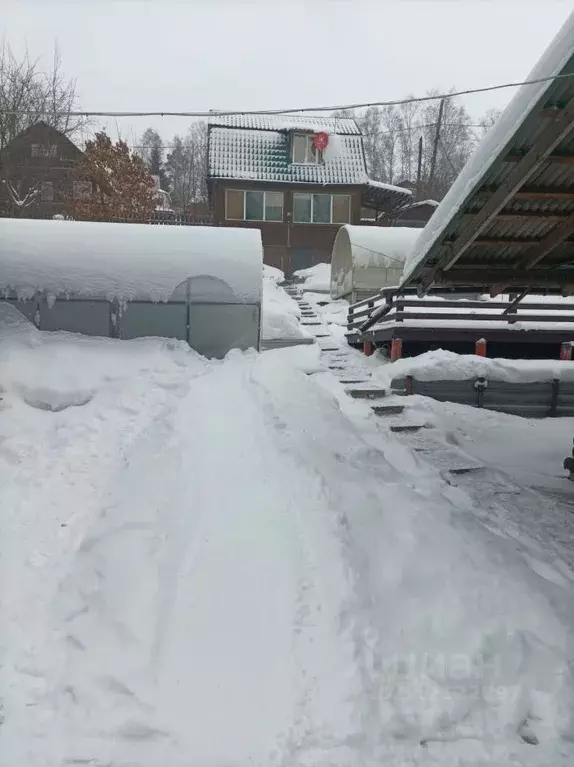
x,y
47,191
303,150
44,150
321,208
82,190
234,205
253,206
341,209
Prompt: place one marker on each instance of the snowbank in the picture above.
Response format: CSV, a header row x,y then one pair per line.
x,y
280,313
317,278
129,261
441,364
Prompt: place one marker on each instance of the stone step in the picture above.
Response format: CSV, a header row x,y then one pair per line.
x,y
443,457
367,394
347,381
307,324
329,348
387,409
406,427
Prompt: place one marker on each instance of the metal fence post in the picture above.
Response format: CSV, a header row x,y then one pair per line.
x,y
480,385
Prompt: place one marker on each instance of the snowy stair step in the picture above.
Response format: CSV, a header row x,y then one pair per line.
x,y
389,410
348,381
371,393
311,323
442,457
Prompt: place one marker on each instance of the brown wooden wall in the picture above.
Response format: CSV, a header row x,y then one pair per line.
x,y
19,166
280,239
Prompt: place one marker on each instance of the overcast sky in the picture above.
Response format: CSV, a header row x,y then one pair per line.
x,y
182,55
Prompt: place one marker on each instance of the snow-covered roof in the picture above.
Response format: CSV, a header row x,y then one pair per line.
x,y
514,175
264,155
369,257
432,203
286,122
389,187
128,261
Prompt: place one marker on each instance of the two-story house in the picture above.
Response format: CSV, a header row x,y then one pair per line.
x,y
37,173
297,178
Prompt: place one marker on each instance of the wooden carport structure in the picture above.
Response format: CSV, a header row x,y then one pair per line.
x,y
507,223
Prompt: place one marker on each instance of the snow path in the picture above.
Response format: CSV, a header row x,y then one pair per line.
x,y
249,576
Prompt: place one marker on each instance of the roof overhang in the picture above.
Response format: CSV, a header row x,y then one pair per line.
x,y
508,221
385,197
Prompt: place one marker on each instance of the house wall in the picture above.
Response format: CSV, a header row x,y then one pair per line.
x,y
286,245
19,166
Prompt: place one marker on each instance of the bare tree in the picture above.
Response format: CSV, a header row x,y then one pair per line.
x,y
392,134
21,196
187,167
29,94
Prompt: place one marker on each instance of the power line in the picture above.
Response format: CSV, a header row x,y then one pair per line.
x,y
373,134
333,108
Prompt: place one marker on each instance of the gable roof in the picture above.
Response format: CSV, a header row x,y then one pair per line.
x,y
508,220
49,133
264,155
258,148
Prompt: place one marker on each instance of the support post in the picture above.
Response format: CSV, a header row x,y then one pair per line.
x,y
368,348
409,384
480,347
566,351
554,398
396,349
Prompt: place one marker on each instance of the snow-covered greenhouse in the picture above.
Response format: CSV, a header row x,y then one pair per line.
x,y
199,284
368,258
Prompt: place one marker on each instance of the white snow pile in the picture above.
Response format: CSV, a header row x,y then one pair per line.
x,y
335,149
317,278
441,364
208,563
128,261
280,313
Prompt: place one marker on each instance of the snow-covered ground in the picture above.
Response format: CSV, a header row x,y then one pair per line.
x,y
217,563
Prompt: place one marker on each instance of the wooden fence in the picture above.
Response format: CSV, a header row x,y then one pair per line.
x,y
382,310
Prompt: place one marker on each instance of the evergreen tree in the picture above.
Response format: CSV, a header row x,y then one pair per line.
x,y
152,152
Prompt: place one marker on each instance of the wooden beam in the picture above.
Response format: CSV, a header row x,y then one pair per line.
x,y
504,241
526,215
550,138
544,194
557,236
557,158
535,279
511,308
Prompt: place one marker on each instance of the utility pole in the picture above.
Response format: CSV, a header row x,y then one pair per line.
x,y
420,169
435,145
